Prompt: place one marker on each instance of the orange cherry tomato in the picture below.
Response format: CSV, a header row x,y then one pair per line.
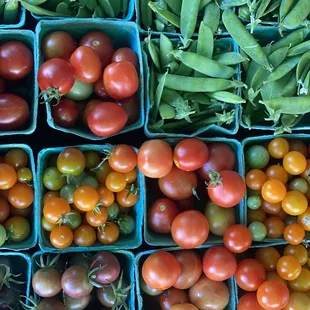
x,y
84,235
116,181
304,219
96,218
302,283
288,268
49,195
8,176
294,203
127,198
61,237
277,172
273,191
55,208
106,197
131,176
271,208
268,257
255,179
298,251
275,227
294,234
108,234
278,148
294,163
85,198
21,196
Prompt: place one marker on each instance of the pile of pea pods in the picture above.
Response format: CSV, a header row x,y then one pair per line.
x,y
9,11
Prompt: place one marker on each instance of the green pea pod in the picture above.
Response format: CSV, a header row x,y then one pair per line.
x,y
290,88
302,77
189,15
152,86
163,5
175,6
299,49
10,14
98,12
252,71
200,98
91,4
287,123
158,95
3,235
172,97
205,41
125,5
170,17
183,69
160,27
63,8
165,48
2,5
229,58
40,11
262,8
305,89
304,60
153,52
116,5
226,96
84,12
107,7
145,14
246,63
244,12
212,16
297,15
203,4
275,4
244,39
166,111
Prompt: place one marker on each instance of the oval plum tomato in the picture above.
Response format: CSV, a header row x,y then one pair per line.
x,y
249,301
237,238
55,208
221,157
255,179
71,161
155,158
16,60
191,268
86,64
84,235
304,219
184,307
178,184
4,210
61,237
219,264
277,172
294,163
294,234
268,257
101,43
273,191
288,268
190,154
100,90
298,301
161,215
275,226
132,106
226,189
250,274
108,234
121,80
190,229
294,203
161,270
123,158
65,113
171,297
8,176
58,44
278,148
21,196
126,54
85,198
273,295
298,251
257,215
14,112
106,119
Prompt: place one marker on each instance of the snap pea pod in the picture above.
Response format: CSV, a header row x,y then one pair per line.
x,y
36,2
297,15
152,86
91,4
299,49
244,39
98,12
116,5
287,123
165,48
290,88
226,97
233,3
158,95
285,8
302,77
125,5
244,12
272,7
154,52
172,97
204,65
205,44
170,17
145,13
200,98
40,11
107,7
229,58
212,16
183,69
83,12
203,3
305,90
163,5
175,6
10,13
2,5
160,27
304,62
166,111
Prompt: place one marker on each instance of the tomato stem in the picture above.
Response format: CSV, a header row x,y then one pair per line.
x,y
49,95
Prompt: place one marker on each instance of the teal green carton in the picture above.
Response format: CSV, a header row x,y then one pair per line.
x,y
125,258
165,240
123,34
27,89
20,23
132,241
141,257
31,241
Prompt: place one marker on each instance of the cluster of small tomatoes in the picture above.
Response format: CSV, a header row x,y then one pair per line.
x,y
98,82
16,63
16,196
69,281
87,194
278,190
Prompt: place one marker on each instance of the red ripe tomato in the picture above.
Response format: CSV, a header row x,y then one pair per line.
x,y
190,154
101,43
161,270
16,60
126,54
123,158
88,107
250,274
227,190
155,158
14,112
100,90
221,157
86,64
106,119
237,238
161,215
65,113
121,80
132,107
249,302
219,264
171,297
190,229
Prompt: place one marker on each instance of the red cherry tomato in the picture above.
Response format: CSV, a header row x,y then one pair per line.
x,y
237,238
132,107
126,54
65,113
249,302
100,90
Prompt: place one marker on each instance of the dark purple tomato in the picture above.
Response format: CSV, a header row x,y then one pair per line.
x,y
77,303
51,304
132,106
65,113
9,298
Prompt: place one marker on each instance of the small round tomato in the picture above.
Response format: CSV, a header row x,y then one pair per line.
x,y
106,197
92,159
127,197
294,203
185,306
18,227
275,227
249,301
49,195
277,172
298,301
8,176
96,217
299,146
65,113
100,90
306,174
132,107
4,210
123,158
21,212
268,257
121,80
278,148
273,275
288,268
273,191
257,157
92,103
55,208
304,219
102,172
126,54
24,175
115,181
300,185
71,161
47,226
21,196
294,234
108,234
171,297
298,251
84,235
258,231
294,163
302,283
85,198
131,176
17,158
237,238
271,208
257,215
255,179
61,237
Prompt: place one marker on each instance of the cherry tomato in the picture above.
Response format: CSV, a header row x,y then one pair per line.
x,y
294,234
299,146
171,297
302,283
61,237
85,198
102,172
115,181
273,191
131,176
58,44
49,195
288,268
17,158
55,208
8,176
132,107
161,270
249,301
229,192
126,54
237,238
92,103
65,113
106,119
257,215
190,229
155,158
4,210
219,264
294,203
294,163
16,60
278,148
24,175
121,80
86,64
96,218
100,90
108,234
184,307
106,197
298,301
84,235
128,197
273,275
255,179
277,172
123,158
268,257
304,219
275,227
21,196
298,251
19,228
306,174
71,161
271,208
47,226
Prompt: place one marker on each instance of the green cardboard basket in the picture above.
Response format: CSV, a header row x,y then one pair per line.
x,y
125,258
141,257
132,241
165,240
31,241
20,22
210,130
27,89
122,33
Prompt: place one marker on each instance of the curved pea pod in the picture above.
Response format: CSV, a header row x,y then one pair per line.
x,y
205,43
175,6
98,12
299,49
275,4
285,8
153,52
305,89
304,62
244,12
200,98
165,48
83,12
117,6
183,69
172,97
163,5
145,13
229,58
297,15
226,96
158,95
169,16
290,88
40,11
244,39
199,84
212,16
10,13
107,7
287,123
166,111
204,65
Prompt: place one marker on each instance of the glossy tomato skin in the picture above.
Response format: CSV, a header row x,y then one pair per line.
x,y
126,54
230,192
249,302
190,229
121,80
132,107
237,238
86,64
87,109
123,158
106,119
16,60
184,307
219,264
65,113
100,90
171,297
